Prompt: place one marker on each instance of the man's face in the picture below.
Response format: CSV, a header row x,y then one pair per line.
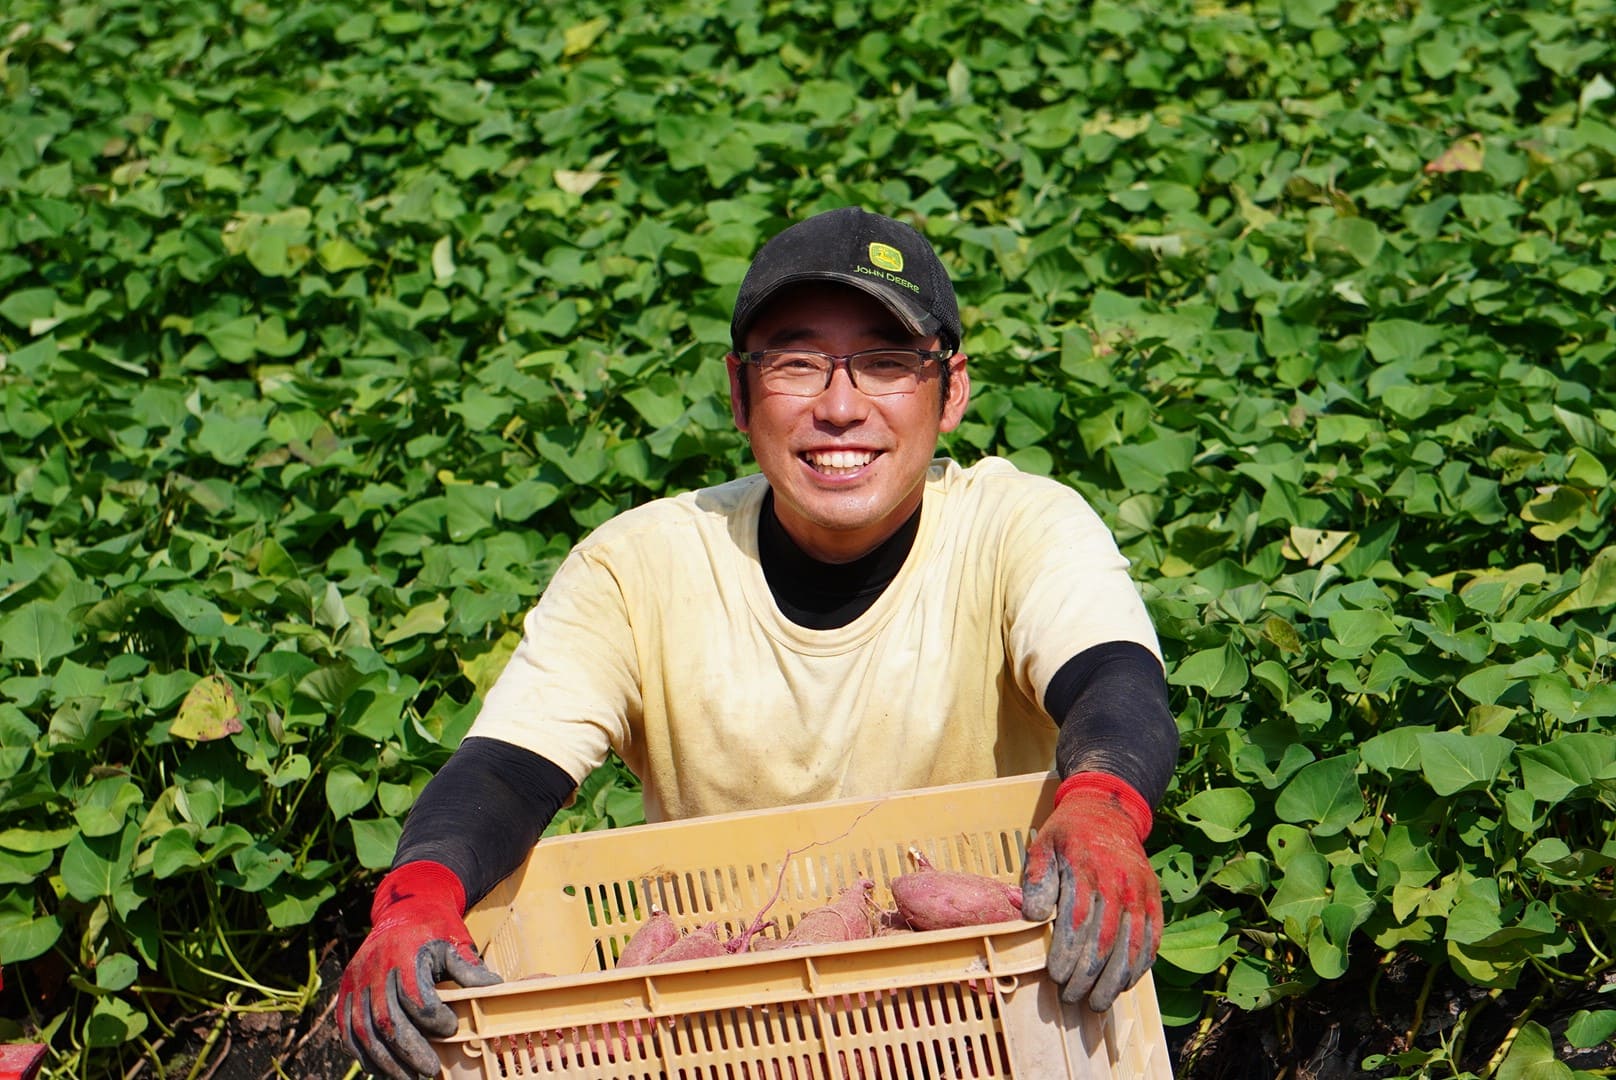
x,y
846,468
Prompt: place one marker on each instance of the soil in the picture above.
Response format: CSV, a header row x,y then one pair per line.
x,y
271,1045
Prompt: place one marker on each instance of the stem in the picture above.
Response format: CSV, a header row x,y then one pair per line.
x,y
1418,1019
1545,966
246,982
153,1049
1462,1028
212,1040
1374,988
1604,961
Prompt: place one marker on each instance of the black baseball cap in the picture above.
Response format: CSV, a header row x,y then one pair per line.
x,y
871,252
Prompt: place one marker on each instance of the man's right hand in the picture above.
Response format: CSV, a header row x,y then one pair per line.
x,y
388,1002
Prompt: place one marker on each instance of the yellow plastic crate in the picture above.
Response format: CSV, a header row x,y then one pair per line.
x,y
972,1002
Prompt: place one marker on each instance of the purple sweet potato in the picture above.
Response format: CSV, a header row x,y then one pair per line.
x,y
847,919
697,945
656,936
942,899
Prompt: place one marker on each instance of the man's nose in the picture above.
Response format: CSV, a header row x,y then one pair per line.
x,y
841,403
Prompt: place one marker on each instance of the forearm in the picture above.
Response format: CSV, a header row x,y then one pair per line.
x,y
1111,704
483,812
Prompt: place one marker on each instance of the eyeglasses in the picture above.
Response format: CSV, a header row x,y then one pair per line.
x,y
808,372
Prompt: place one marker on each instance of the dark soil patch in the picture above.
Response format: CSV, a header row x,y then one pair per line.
x,y
261,1046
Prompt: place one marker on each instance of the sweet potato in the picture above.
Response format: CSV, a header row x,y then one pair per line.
x,y
652,939
931,899
846,919
696,945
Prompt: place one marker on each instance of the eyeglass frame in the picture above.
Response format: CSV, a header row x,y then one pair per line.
x,y
757,357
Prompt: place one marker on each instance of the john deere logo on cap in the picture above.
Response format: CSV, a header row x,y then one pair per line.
x,y
886,257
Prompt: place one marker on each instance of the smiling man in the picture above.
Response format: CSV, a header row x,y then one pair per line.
x,y
856,619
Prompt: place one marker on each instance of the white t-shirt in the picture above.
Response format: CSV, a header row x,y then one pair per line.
x,y
659,638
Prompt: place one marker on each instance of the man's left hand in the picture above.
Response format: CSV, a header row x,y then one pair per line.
x,y
1087,867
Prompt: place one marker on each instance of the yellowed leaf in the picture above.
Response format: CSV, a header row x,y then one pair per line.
x,y
579,182
1317,546
1465,155
578,38
209,711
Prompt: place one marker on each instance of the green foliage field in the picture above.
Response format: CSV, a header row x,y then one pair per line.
x,y
326,328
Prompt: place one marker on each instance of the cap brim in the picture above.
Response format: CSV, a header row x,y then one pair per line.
x,y
916,319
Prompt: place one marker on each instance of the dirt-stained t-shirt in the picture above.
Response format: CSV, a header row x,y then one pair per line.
x,y
659,638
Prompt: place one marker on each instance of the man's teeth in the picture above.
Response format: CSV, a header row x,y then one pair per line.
x,y
840,459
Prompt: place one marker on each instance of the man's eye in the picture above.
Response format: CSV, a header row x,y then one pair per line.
x,y
889,362
796,363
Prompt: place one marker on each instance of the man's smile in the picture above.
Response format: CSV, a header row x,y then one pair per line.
x,y
838,462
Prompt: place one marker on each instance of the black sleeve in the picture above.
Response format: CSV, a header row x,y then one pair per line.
x,y
1111,704
483,812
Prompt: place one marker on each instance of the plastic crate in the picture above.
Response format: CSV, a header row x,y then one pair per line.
x,y
973,1002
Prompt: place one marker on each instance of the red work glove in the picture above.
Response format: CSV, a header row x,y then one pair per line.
x,y
1087,868
388,998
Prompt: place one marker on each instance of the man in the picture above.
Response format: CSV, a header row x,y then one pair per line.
x,y
856,620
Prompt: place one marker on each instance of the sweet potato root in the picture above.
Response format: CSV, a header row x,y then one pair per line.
x,y
651,940
930,899
847,919
696,945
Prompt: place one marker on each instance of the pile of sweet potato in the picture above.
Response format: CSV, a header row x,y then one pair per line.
x,y
927,899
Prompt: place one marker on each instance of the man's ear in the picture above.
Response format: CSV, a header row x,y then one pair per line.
x,y
737,391
959,393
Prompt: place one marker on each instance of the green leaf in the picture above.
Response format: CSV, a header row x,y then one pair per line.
x,y
1199,944
375,840
1222,813
347,792
293,902
1531,1056
1453,761
1356,632
1591,1027
1250,986
23,936
1394,751
1557,769
36,633
1221,672
1328,940
24,307
1596,587
104,806
1146,466
114,1022
175,853
116,972
1303,891
1325,793
95,867
428,618
257,865
32,840
1394,340
195,614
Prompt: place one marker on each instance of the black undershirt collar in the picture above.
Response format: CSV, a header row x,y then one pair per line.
x,y
825,596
